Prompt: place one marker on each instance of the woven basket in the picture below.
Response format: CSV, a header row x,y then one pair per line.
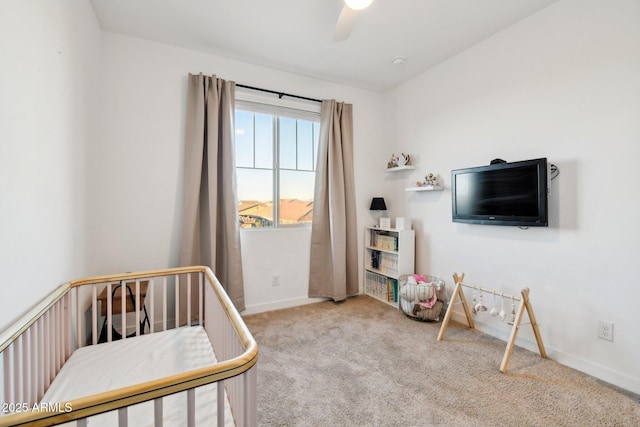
x,y
414,297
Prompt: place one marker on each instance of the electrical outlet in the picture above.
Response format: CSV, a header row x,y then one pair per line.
x,y
605,330
275,280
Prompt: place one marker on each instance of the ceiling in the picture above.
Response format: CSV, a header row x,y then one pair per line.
x,y
296,35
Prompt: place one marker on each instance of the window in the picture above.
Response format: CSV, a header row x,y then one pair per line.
x,y
276,150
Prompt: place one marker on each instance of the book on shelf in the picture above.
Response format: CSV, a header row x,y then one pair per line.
x,y
382,240
375,259
384,262
392,290
387,242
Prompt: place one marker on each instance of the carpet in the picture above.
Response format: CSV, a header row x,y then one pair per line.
x,y
363,363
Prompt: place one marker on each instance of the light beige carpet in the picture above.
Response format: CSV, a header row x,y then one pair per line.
x,y
363,363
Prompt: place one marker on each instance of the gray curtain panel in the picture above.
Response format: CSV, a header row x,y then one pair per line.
x,y
210,228
333,271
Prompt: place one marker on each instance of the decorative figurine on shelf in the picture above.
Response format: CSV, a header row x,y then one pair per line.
x,y
401,160
393,163
431,179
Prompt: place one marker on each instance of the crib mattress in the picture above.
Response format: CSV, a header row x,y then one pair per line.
x,y
109,366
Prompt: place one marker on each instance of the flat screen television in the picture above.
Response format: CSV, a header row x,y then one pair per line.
x,y
501,194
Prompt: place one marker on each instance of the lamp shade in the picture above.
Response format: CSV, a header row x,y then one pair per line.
x,y
378,204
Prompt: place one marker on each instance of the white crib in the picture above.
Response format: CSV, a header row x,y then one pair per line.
x,y
50,355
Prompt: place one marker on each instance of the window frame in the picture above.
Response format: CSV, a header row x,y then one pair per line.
x,y
280,109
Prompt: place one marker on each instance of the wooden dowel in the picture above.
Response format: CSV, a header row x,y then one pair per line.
x,y
512,337
447,316
534,324
491,291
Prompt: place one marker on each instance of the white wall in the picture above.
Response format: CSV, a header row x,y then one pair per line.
x,y
561,84
48,59
136,161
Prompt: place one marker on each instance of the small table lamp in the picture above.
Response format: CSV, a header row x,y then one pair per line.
x,y
378,205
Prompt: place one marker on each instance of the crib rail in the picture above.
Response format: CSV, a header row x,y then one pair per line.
x,y
36,347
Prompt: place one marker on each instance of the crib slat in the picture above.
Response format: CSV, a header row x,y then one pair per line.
x,y
109,312
165,307
26,366
94,314
123,419
57,338
7,375
33,355
47,351
249,406
79,322
137,307
200,298
177,299
152,305
17,369
220,402
68,331
42,375
123,311
191,407
188,299
157,412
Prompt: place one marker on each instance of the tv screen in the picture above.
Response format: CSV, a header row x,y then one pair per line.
x,y
501,194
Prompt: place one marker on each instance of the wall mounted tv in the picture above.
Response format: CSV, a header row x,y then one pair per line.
x,y
501,194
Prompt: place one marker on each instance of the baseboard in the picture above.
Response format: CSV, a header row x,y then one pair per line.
x,y
277,305
598,371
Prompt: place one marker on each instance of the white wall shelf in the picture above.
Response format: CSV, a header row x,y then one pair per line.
x,y
425,188
401,168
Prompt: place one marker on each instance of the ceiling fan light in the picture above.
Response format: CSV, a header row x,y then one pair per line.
x,y
358,4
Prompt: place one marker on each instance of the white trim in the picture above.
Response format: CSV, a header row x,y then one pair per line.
x,y
601,372
277,305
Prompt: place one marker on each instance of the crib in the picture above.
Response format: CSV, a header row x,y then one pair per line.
x,y
85,356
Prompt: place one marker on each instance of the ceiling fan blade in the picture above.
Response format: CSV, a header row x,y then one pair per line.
x,y
346,21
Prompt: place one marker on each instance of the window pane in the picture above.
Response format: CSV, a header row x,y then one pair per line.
x,y
287,143
264,140
255,197
244,138
264,179
305,145
296,197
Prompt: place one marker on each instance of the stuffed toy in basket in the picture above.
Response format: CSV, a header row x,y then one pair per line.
x,y
422,297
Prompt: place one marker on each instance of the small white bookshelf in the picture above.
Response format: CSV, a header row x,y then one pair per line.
x,y
388,254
